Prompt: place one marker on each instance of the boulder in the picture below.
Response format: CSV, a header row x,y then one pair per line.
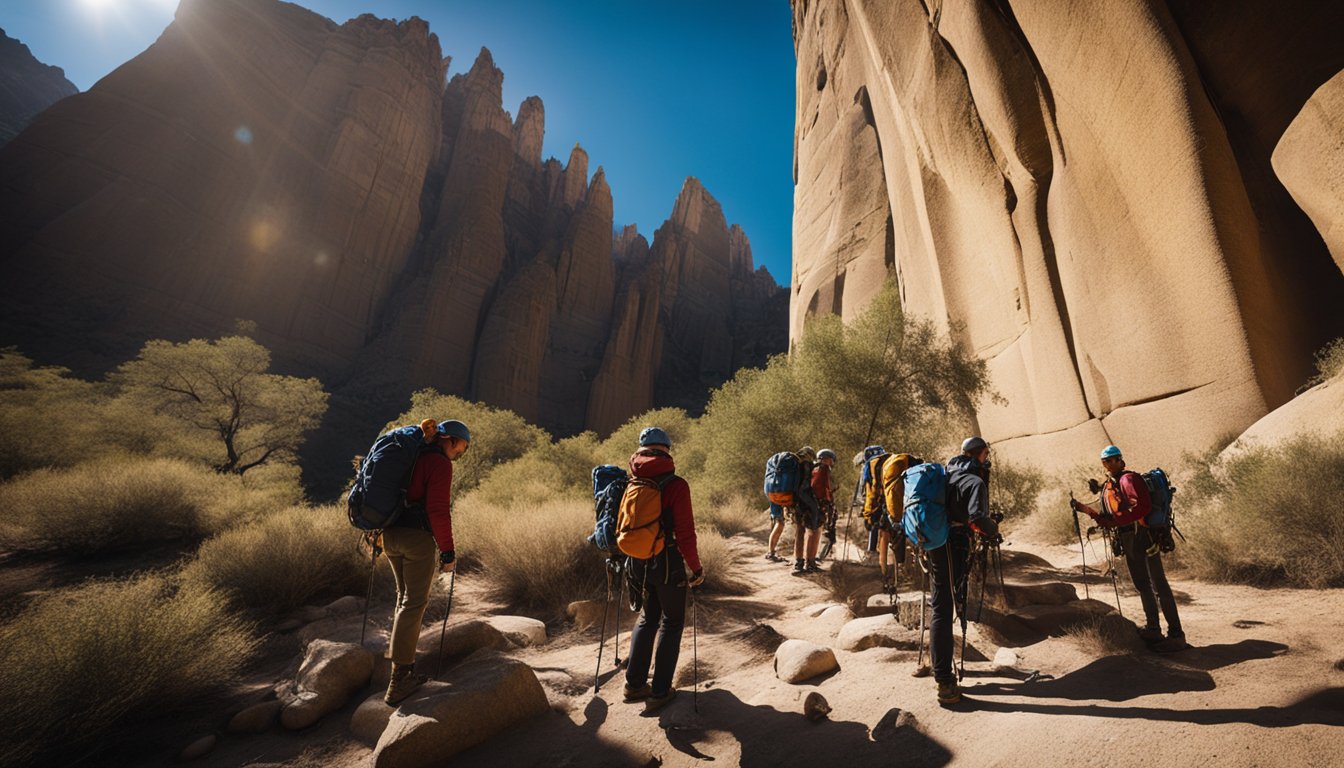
x,y
815,706
521,631
1005,659
588,613
371,716
331,672
1005,629
345,606
906,607
1046,593
481,697
463,638
311,613
256,718
799,660
198,748
876,632
816,609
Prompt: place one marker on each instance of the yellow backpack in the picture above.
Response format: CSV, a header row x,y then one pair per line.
x,y
639,522
893,484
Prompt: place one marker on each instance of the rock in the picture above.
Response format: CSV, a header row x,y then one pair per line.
x,y
893,94
1315,409
892,724
1006,629
1054,619
311,613
330,674
371,717
906,607
256,718
1048,593
815,707
836,614
876,632
31,87
1004,660
481,698
799,660
816,609
322,629
288,625
521,631
198,748
462,638
345,606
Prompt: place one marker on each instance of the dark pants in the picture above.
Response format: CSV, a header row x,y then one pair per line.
x,y
1150,580
664,581
947,569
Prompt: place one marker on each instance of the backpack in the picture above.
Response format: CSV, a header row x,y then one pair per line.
x,y
783,478
872,468
378,496
1161,518
925,518
609,483
893,484
639,520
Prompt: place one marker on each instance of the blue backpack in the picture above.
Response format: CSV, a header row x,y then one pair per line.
x,y
868,454
925,518
609,483
378,495
783,478
1160,491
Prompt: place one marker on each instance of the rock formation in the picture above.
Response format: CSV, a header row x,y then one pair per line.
x,y
27,86
380,228
1083,193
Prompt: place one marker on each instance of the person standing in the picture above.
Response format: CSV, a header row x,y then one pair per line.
x,y
420,544
1125,505
967,513
823,488
806,518
662,577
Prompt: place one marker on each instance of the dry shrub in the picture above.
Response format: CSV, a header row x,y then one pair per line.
x,y
1014,489
737,515
1263,515
78,663
560,469
283,561
118,502
1105,635
1052,520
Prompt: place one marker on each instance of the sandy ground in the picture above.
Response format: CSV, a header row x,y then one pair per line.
x,y
1267,692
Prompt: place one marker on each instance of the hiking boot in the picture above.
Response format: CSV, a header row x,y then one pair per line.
x,y
655,703
1172,644
812,567
1150,635
404,682
638,694
772,557
948,692
798,568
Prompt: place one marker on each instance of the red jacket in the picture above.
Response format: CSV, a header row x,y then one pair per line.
x,y
821,482
432,485
648,462
1127,500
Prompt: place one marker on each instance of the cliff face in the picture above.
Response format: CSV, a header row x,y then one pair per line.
x,y
383,229
1085,192
27,86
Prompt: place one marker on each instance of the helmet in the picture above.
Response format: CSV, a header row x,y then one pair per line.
x,y
454,428
973,444
654,436
1110,452
807,452
825,453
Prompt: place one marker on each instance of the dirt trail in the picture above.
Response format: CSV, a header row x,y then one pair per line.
x,y
1266,692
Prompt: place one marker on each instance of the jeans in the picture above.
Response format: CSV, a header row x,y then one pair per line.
x,y
664,581
415,559
947,569
1150,579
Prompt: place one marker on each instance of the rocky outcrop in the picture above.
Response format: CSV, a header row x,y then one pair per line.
x,y
1082,193
27,86
379,228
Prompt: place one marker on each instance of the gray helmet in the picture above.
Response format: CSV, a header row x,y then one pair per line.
x,y
973,444
826,453
807,452
654,436
454,428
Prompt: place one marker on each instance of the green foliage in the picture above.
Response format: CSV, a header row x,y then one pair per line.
x,y
623,442
1014,490
1329,363
119,502
47,418
78,663
887,378
281,562
497,435
1263,515
222,391
561,470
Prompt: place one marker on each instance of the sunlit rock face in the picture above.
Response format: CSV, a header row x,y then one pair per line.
x,y
376,226
27,86
1083,194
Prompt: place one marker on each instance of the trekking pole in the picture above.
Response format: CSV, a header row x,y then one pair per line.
x,y
849,517
923,607
695,655
984,565
602,634
1078,530
373,566
1106,535
620,574
452,582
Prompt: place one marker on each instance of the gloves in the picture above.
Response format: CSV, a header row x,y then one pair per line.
x,y
986,527
697,578
1093,486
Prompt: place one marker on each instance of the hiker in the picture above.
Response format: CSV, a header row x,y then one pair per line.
x,y
823,487
776,531
419,544
663,576
967,513
1125,504
879,524
806,518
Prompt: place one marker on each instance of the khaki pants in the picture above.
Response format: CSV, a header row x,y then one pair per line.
x,y
415,559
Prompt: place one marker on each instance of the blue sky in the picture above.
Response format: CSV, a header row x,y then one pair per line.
x,y
655,91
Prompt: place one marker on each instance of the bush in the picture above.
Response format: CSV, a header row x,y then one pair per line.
x,y
1263,515
118,502
78,663
561,470
624,441
497,435
734,516
1014,490
1329,363
281,562
46,418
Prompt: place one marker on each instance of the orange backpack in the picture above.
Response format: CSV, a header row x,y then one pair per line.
x,y
639,523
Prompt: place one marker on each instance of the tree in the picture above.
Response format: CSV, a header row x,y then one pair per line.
x,y
223,388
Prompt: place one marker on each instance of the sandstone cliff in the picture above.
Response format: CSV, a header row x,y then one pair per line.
x,y
27,86
1084,191
381,228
